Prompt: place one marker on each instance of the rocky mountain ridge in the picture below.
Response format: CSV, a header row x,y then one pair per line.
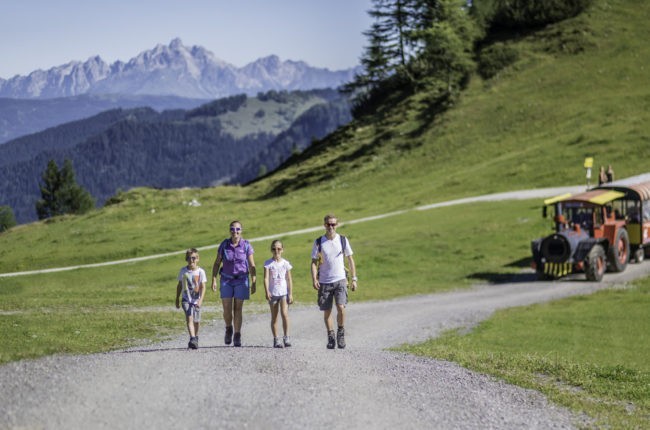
x,y
172,70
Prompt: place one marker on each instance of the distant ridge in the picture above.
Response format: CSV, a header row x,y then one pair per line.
x,y
172,70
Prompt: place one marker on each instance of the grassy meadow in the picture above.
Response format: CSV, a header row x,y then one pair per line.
x,y
71,311
579,90
587,353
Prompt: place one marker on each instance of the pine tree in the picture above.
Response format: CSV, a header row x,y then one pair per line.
x,y
7,218
60,193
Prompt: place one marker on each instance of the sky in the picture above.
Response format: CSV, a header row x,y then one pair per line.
x,y
40,34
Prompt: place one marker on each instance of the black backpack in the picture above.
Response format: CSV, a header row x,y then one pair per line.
x,y
343,245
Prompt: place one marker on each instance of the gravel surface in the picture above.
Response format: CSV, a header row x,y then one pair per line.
x,y
306,386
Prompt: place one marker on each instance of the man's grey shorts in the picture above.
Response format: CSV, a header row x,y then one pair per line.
x,y
335,291
192,311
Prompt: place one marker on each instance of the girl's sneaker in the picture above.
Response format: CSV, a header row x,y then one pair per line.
x,y
277,343
286,341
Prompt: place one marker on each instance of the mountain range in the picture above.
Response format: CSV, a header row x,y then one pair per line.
x,y
172,70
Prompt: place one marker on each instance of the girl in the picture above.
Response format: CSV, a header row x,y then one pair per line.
x,y
278,285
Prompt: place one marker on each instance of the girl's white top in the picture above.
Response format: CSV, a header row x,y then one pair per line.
x,y
278,276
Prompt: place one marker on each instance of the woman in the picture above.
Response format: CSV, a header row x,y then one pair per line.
x,y
235,257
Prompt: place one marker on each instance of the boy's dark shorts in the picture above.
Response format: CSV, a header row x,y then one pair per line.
x,y
335,291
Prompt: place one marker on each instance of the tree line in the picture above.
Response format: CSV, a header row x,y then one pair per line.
x,y
437,44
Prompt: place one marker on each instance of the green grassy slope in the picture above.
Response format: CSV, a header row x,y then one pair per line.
x,y
531,126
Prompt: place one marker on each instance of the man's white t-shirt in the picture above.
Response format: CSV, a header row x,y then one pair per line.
x,y
278,276
332,268
191,280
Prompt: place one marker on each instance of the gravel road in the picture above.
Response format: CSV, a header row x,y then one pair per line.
x,y
305,386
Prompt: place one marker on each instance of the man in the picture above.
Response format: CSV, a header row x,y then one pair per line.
x,y
328,277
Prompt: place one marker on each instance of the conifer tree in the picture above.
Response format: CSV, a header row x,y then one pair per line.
x,y
60,193
7,218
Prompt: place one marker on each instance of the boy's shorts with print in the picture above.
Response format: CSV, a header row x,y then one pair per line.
x,y
235,287
327,293
191,310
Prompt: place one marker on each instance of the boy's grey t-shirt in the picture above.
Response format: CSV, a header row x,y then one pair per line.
x,y
191,280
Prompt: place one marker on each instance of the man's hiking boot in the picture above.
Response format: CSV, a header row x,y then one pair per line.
x,y
287,341
237,339
277,343
228,338
194,343
340,337
331,342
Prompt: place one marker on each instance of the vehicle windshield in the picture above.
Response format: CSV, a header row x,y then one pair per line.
x,y
584,216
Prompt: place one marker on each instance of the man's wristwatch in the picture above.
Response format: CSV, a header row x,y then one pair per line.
x,y
354,278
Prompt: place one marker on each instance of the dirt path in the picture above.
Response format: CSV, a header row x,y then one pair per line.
x,y
306,386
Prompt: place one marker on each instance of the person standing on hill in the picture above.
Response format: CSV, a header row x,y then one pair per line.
x,y
610,173
602,176
191,283
236,256
329,278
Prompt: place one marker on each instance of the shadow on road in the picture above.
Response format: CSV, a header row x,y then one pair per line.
x,y
131,351
503,278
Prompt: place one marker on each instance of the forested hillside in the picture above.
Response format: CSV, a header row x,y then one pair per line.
x,y
214,144
22,117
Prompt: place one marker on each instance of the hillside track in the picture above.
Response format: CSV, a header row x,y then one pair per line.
x,y
514,195
165,385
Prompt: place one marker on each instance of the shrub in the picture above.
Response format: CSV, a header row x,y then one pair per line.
x,y
492,59
7,218
528,13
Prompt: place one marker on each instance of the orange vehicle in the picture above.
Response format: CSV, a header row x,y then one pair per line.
x,y
634,208
589,238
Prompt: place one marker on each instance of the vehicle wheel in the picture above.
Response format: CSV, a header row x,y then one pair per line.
x,y
595,264
619,252
639,255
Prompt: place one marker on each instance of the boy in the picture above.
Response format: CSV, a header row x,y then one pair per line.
x,y
192,282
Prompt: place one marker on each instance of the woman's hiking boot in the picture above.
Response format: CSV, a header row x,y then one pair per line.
x,y
237,339
228,338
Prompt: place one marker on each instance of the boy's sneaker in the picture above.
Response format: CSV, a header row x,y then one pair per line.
x,y
340,337
228,338
287,341
277,343
331,342
237,339
194,343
